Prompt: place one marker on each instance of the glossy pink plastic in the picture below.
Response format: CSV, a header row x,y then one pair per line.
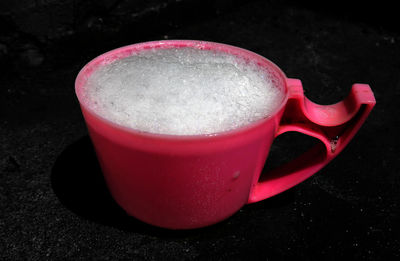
x,y
182,182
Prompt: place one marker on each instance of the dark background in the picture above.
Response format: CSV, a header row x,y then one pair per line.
x,y
53,201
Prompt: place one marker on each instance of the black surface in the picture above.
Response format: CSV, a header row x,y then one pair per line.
x,y
53,200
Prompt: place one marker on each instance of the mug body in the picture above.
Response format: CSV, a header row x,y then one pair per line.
x,y
185,181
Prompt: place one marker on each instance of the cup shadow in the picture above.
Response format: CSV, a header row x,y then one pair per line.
x,y
78,182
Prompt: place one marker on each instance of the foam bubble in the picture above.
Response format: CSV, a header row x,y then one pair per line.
x,y
183,91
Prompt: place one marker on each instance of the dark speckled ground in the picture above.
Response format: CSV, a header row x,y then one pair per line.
x,y
53,200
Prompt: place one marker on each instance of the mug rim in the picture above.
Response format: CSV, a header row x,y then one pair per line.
x,y
208,45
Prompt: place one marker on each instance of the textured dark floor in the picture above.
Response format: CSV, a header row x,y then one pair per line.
x,y
54,203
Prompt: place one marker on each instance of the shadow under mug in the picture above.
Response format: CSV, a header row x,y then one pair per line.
x,y
191,181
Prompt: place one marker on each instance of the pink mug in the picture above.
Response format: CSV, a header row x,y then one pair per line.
x,y
184,182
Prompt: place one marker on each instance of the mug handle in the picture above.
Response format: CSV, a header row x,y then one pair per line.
x,y
334,125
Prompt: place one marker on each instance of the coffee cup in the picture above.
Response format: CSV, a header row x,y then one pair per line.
x,y
192,181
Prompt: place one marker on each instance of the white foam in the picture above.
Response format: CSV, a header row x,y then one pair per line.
x,y
182,91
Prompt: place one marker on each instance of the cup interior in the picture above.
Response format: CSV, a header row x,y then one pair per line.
x,y
277,77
